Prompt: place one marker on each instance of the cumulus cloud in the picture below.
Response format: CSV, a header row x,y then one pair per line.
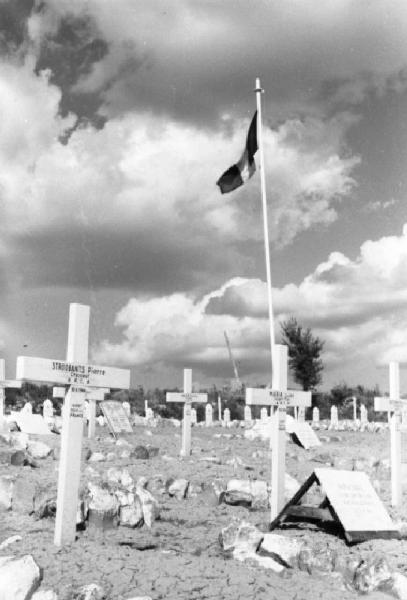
x,y
358,307
120,205
161,55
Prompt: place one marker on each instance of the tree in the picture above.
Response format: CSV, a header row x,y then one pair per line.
x,y
304,351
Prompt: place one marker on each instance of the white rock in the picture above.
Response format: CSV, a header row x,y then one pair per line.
x,y
256,488
19,578
6,492
400,586
10,540
126,480
91,592
149,506
96,457
131,515
286,548
178,488
38,449
263,561
44,595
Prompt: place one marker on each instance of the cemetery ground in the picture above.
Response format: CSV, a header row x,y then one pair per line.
x,y
180,556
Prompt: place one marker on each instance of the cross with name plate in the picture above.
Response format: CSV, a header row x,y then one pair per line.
x,y
80,376
187,397
5,383
280,398
393,403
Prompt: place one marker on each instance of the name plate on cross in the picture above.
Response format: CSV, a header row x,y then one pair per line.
x,y
68,373
270,397
187,397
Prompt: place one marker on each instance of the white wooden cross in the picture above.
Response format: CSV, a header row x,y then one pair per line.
x,y
187,397
5,383
279,397
396,404
79,375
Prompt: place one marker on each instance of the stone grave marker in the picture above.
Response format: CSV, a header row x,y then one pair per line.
x,y
248,414
27,409
48,411
127,408
301,414
350,501
194,419
187,397
305,434
226,416
279,397
315,415
29,423
355,416
4,384
208,415
263,414
363,415
334,418
219,408
79,375
116,418
394,404
145,408
149,413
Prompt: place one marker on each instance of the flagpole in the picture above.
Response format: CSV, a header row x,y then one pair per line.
x,y
259,91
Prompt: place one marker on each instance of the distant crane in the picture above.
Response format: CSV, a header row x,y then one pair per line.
x,y
237,382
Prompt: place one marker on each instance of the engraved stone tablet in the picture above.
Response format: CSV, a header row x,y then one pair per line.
x,y
305,434
116,417
356,504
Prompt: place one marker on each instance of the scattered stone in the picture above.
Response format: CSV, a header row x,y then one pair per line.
x,y
178,488
19,577
38,449
257,489
400,586
96,457
149,505
103,508
10,540
241,536
286,549
153,451
131,515
237,498
373,576
6,492
44,595
18,458
90,591
140,452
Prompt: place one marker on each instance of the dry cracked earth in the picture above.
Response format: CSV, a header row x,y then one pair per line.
x,y
179,557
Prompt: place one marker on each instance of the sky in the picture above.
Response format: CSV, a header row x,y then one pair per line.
x,y
117,118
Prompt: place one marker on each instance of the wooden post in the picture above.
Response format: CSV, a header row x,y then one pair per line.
x,y
2,394
72,431
395,436
187,397
186,422
278,433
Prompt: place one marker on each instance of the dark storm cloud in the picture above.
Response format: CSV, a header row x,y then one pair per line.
x,y
150,262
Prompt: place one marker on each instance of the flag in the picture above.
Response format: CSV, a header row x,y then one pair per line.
x,y
239,173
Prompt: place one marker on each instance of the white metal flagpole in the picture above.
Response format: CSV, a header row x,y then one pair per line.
x,y
259,91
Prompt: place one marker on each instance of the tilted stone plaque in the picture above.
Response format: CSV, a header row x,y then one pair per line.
x,y
116,417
